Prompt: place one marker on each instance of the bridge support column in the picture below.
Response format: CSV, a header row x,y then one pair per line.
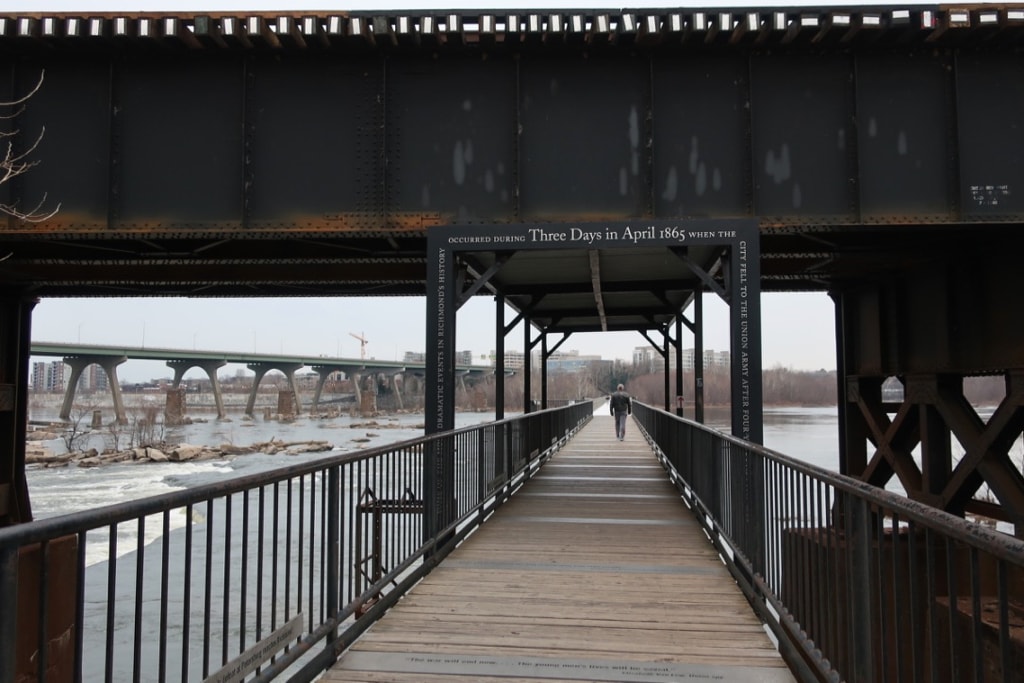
x,y
396,386
175,406
15,351
261,370
109,364
180,367
356,378
905,354
324,373
368,396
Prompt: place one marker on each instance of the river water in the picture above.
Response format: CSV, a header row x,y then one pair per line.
x,y
809,434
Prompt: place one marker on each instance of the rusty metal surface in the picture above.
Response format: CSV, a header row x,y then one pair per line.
x,y
311,153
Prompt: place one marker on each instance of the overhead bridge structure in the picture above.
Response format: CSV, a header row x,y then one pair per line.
x,y
590,170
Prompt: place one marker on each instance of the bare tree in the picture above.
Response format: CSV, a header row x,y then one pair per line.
x,y
13,163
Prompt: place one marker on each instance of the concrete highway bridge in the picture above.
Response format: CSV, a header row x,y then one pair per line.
x,y
81,356
592,170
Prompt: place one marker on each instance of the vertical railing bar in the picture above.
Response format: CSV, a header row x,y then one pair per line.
x,y
208,587
111,605
186,600
807,530
820,536
311,594
352,493
261,530
976,625
879,564
137,627
324,545
344,536
849,670
898,598
326,542
954,608
1005,647
42,642
243,578
226,598
165,572
300,548
772,528
80,607
288,551
803,547
779,577
829,531
932,607
332,581
275,561
915,607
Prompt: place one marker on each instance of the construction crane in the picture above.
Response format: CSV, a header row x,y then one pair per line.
x,y
362,344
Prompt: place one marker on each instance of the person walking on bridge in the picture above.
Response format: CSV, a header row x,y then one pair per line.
x,y
621,406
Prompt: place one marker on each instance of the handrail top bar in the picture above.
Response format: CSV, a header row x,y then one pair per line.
x,y
39,530
999,544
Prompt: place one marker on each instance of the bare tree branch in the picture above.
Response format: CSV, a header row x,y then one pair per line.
x,y
13,163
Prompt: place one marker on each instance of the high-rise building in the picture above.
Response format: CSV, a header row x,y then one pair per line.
x,y
47,377
513,359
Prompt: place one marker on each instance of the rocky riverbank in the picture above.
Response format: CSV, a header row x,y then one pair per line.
x,y
38,454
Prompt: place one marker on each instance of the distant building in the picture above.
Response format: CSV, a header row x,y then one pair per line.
x,y
650,360
513,359
48,377
94,379
414,357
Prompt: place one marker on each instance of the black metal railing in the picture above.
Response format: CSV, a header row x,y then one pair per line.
x,y
272,573
858,584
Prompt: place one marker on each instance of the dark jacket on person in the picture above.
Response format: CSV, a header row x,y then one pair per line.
x,y
621,403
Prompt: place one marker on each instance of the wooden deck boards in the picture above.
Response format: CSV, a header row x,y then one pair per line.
x,y
595,571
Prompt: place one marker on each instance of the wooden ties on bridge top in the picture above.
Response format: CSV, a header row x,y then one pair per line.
x,y
594,571
489,29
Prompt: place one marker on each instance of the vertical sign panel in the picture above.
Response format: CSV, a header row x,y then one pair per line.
x,y
439,394
745,333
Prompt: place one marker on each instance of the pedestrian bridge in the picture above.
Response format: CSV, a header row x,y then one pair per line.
x,y
680,553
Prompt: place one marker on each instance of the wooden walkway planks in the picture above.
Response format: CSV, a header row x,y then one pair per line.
x,y
595,571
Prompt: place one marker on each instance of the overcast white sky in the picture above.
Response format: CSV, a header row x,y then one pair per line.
x,y
798,329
